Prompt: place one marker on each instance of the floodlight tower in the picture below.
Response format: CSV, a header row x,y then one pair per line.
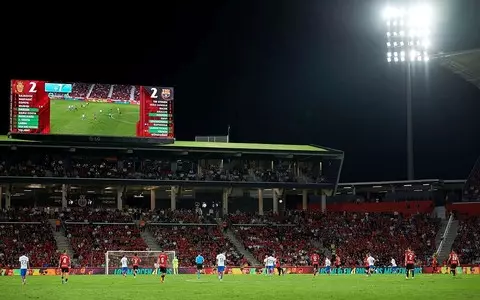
x,y
408,31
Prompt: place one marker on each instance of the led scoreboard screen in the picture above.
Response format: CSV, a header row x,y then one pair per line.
x,y
94,110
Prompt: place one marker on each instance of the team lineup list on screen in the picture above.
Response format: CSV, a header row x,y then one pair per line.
x,y
156,109
30,107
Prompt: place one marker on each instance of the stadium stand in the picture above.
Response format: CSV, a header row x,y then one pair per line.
x,y
76,166
292,244
100,91
26,231
121,92
351,227
190,240
178,216
23,215
189,233
91,241
80,90
292,237
471,191
95,215
136,94
467,243
267,219
352,235
386,235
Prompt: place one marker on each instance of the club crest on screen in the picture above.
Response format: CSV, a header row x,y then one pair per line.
x,y
19,87
82,201
166,94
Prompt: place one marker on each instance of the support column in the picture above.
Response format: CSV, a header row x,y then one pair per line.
x,y
225,195
64,196
8,198
324,203
1,197
153,198
304,199
173,197
275,201
120,198
260,202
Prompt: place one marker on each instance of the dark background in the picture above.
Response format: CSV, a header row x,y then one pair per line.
x,y
301,72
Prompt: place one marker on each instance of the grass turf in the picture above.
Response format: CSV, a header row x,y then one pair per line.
x,y
64,121
187,287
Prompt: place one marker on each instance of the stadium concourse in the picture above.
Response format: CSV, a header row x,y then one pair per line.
x,y
249,200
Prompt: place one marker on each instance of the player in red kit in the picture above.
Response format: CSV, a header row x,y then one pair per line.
x,y
454,262
366,264
64,266
315,259
434,263
278,265
162,264
136,262
410,263
338,263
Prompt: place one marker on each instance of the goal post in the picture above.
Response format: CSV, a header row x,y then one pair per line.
x,y
148,259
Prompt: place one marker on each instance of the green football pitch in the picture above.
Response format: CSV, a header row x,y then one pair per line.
x,y
187,287
65,121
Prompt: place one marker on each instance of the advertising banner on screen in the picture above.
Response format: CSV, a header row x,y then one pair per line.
x,y
229,270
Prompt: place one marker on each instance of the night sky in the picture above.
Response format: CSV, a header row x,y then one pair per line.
x,y
300,72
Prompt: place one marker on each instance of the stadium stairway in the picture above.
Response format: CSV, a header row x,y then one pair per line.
x,y
321,249
441,231
62,241
230,235
150,240
449,239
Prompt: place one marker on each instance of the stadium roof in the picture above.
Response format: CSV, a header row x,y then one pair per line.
x,y
464,63
247,146
216,147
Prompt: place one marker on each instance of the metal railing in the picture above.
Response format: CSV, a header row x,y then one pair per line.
x,y
445,233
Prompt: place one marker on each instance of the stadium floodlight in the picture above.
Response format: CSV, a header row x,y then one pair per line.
x,y
408,41
409,29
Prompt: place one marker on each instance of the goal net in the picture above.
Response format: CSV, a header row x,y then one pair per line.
x,y
148,260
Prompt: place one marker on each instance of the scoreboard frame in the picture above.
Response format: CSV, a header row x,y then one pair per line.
x,y
30,112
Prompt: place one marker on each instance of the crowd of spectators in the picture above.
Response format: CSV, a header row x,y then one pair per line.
x,y
95,215
136,93
472,186
100,91
385,236
90,167
93,168
80,90
290,243
280,174
24,214
268,218
349,235
121,92
467,243
34,240
90,242
292,236
179,216
190,240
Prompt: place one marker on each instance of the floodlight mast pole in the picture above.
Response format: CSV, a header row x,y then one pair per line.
x,y
410,154
418,18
